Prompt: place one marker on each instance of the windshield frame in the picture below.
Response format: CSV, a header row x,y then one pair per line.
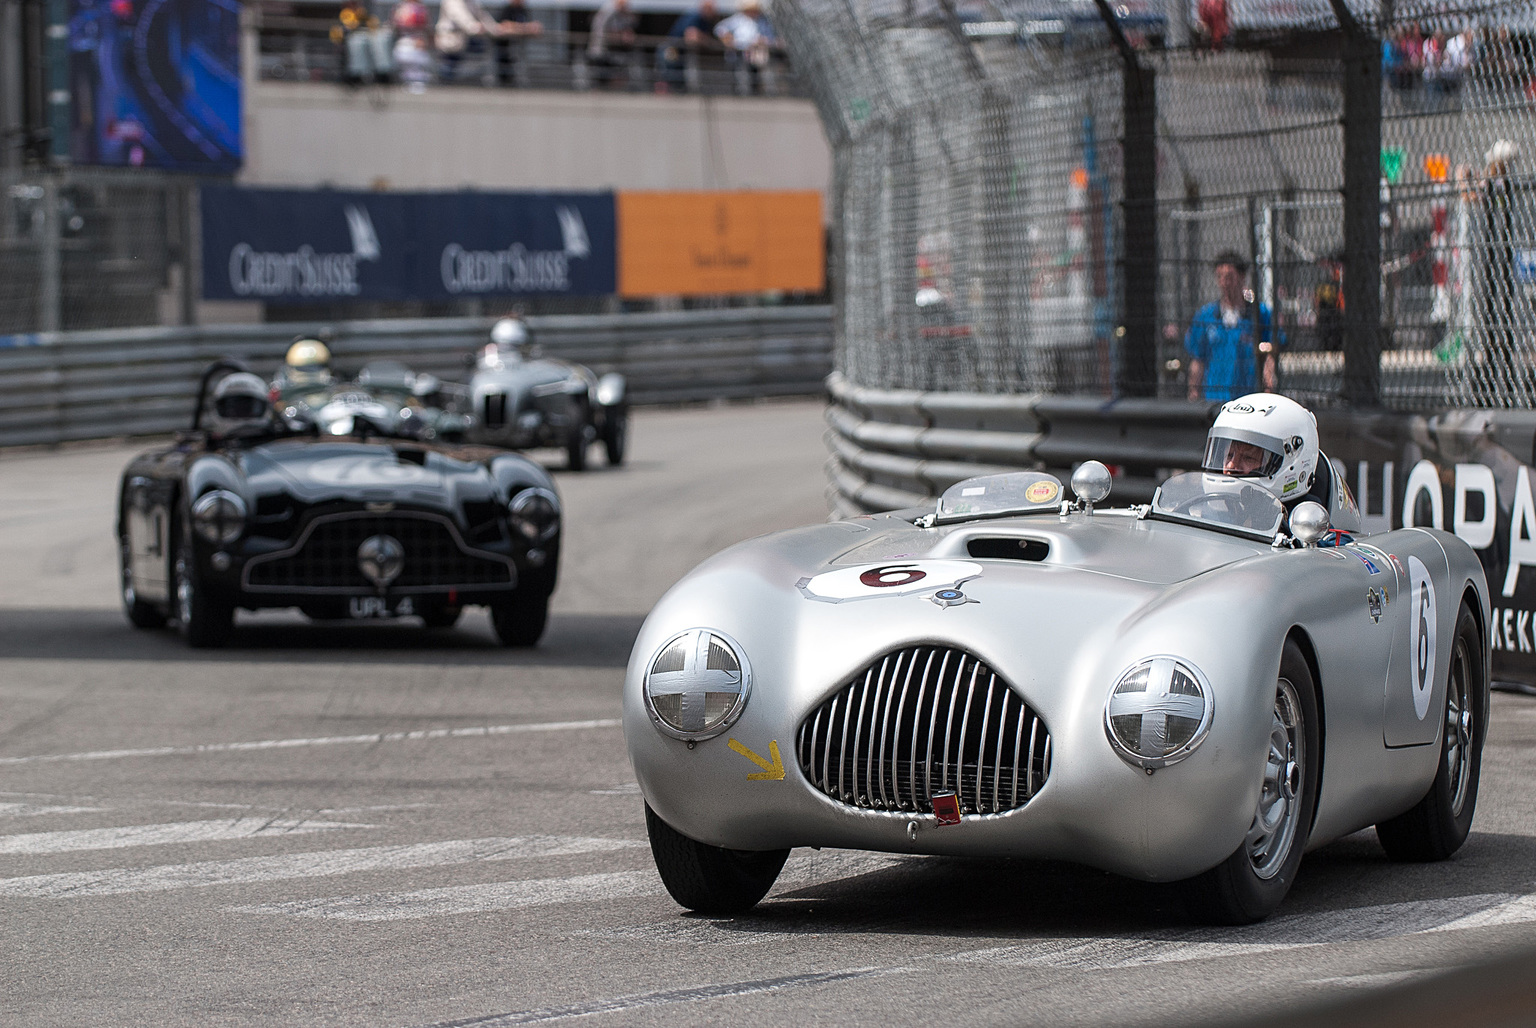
x,y
1022,480
1157,513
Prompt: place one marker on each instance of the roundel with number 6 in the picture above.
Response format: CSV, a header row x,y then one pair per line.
x,y
892,578
1421,633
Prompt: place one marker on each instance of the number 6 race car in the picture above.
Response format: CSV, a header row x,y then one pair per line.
x,y
1192,690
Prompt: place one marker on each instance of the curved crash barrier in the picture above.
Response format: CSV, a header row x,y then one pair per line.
x,y
901,448
65,386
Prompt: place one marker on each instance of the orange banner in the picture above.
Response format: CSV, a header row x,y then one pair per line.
x,y
696,244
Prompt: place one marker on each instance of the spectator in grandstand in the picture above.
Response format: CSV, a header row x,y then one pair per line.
x,y
365,43
748,37
413,62
1214,18
690,32
1223,361
1432,55
463,26
611,41
1455,62
516,24
410,19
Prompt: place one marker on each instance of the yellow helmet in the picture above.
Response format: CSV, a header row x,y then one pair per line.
x,y
308,353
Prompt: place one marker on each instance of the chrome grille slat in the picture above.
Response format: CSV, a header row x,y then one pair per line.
x,y
863,746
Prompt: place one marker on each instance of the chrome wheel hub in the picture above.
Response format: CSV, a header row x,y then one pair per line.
x,y
1273,831
1458,727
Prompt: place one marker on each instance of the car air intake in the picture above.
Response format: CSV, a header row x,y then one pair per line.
x,y
495,414
1008,548
924,720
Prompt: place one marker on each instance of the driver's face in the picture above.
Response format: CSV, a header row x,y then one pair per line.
x,y
1243,459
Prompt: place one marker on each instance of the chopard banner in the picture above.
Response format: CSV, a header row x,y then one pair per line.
x,y
308,246
1467,472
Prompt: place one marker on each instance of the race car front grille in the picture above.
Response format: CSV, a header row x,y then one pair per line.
x,y
921,721
326,556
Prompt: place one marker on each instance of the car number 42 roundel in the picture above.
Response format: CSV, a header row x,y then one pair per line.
x,y
1421,629
893,578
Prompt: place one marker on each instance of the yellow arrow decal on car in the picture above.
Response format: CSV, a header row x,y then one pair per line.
x,y
772,770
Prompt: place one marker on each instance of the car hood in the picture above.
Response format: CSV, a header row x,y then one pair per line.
x,y
394,471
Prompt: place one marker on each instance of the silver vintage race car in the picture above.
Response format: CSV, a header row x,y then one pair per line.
x,y
1192,690
522,399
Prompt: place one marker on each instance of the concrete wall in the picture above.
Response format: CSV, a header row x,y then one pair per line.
x,y
312,134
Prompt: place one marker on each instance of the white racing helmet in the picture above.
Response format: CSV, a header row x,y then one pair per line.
x,y
509,333
241,400
1266,439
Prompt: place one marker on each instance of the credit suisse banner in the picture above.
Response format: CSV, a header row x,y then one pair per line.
x,y
1469,473
706,243
301,246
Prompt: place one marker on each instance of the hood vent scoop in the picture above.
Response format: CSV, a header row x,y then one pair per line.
x,y
1008,548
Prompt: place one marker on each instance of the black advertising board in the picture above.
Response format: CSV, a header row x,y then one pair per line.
x,y
1468,472
299,246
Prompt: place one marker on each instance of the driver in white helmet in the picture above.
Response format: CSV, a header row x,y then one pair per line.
x,y
510,343
1271,441
241,406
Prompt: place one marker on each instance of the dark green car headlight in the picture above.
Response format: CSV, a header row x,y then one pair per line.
x,y
535,514
219,517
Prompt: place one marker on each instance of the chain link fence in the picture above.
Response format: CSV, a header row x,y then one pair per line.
x,y
1003,226
83,249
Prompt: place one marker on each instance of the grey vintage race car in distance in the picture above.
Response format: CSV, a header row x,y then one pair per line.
x,y
1190,691
522,399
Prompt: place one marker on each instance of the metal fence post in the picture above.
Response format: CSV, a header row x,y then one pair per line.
x,y
50,291
1362,210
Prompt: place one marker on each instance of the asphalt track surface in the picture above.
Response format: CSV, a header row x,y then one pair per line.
x,y
381,825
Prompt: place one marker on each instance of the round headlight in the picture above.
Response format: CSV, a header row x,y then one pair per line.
x,y
1158,712
219,516
697,684
535,513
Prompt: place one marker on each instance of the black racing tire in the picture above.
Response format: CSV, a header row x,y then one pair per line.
x,y
1438,824
576,437
1249,885
444,616
709,879
616,435
140,613
204,621
520,619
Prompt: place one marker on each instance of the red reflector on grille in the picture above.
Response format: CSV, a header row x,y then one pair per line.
x,y
946,807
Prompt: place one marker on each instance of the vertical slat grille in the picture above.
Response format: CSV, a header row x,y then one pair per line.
x,y
924,720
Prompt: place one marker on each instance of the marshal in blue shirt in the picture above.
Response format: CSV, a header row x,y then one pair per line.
x,y
1226,352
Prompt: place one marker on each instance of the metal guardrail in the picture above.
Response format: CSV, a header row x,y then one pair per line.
x,y
66,386
902,448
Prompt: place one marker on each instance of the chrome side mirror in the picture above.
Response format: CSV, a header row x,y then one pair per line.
x,y
1091,482
1309,523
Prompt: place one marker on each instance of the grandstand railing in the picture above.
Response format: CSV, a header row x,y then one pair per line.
x,y
292,49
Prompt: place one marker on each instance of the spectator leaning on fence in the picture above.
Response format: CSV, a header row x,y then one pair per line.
x,y
748,37
1222,359
462,25
516,24
365,42
690,32
611,40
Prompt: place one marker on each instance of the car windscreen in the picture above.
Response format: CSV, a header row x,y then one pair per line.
x,y
996,495
1220,502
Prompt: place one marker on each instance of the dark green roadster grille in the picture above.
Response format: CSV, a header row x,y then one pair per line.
x,y
326,556
921,721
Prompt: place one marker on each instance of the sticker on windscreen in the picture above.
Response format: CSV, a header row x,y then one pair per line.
x,y
897,578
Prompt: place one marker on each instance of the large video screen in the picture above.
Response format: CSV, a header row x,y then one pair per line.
x,y
156,84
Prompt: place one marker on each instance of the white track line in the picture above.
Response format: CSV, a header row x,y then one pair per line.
x,y
36,809
117,881
1359,924
161,835
467,899
669,997
330,740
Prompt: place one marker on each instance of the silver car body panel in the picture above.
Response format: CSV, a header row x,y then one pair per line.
x,y
1112,590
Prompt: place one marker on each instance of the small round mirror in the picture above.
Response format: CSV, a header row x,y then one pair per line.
x,y
1309,522
1091,482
